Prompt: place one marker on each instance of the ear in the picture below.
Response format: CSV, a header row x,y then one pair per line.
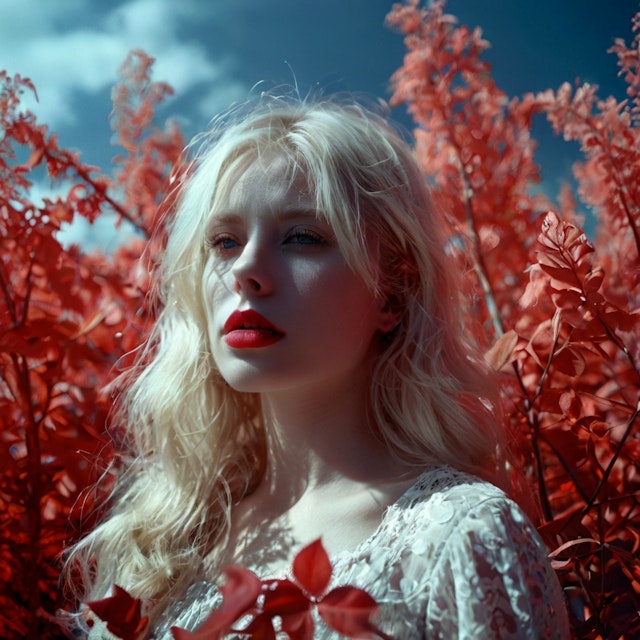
x,y
389,316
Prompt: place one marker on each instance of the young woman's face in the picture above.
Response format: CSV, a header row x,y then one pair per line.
x,y
284,309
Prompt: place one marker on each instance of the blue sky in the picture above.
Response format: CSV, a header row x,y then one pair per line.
x,y
214,51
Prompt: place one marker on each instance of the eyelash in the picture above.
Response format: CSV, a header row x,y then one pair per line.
x,y
306,233
218,242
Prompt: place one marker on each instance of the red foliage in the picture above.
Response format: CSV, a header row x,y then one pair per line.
x,y
476,146
559,316
66,317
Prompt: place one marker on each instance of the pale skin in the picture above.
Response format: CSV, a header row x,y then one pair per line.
x,y
327,475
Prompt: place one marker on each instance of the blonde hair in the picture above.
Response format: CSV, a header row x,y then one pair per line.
x,y
195,445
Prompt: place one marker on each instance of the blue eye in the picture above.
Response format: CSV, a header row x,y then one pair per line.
x,y
224,243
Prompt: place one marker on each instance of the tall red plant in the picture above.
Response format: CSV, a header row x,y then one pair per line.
x,y
558,314
65,318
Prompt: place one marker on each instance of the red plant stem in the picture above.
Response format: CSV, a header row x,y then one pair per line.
x,y
616,340
111,202
27,295
549,442
612,462
536,438
532,418
627,211
586,592
479,264
535,445
86,177
7,297
602,551
565,465
33,496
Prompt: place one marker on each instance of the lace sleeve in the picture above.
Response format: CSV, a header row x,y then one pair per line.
x,y
493,580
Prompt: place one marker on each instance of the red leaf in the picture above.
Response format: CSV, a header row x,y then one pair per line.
x,y
347,610
569,361
559,274
283,597
593,280
312,569
35,158
122,614
240,590
570,405
501,353
239,596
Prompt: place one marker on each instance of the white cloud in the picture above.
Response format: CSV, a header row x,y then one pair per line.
x,y
103,234
69,48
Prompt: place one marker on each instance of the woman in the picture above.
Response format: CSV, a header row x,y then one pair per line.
x,y
307,378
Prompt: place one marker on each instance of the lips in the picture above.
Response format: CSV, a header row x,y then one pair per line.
x,y
250,330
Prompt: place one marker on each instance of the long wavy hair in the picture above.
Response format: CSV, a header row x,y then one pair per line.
x,y
194,446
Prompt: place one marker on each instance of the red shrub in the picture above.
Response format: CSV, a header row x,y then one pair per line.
x,y
66,317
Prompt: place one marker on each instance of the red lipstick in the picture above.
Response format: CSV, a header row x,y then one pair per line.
x,y
250,330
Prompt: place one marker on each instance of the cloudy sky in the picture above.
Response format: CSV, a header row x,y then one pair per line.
x,y
213,51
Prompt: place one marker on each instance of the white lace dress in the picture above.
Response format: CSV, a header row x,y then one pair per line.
x,y
453,558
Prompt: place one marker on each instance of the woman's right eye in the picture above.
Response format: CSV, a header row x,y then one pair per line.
x,y
223,242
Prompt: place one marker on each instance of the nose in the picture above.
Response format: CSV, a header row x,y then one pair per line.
x,y
252,270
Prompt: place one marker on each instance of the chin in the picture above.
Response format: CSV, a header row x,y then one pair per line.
x,y
249,382
261,382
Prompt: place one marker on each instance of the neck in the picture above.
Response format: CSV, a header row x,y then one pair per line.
x,y
320,438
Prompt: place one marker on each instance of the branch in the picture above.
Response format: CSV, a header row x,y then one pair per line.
x,y
479,264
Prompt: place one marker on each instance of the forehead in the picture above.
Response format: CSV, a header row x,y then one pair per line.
x,y
266,183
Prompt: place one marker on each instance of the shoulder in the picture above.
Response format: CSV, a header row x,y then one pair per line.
x,y
464,526
471,519
444,499
447,483
445,514
490,568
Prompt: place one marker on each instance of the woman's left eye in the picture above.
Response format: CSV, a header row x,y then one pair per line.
x,y
304,236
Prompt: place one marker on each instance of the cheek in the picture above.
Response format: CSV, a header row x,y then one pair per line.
x,y
215,283
213,293
306,277
345,301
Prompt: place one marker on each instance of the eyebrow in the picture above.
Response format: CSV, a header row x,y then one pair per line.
x,y
290,213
